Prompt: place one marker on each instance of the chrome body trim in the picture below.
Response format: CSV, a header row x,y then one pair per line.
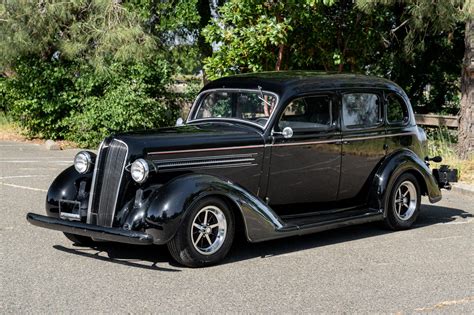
x,y
339,141
379,136
284,144
204,163
91,192
304,143
208,149
219,161
198,99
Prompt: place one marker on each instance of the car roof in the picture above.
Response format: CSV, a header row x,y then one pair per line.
x,y
301,81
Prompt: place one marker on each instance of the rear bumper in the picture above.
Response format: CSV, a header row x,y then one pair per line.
x,y
94,231
445,176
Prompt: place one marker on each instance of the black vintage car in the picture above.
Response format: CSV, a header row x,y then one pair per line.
x,y
272,154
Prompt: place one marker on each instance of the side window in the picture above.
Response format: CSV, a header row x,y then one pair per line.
x,y
397,111
361,110
313,112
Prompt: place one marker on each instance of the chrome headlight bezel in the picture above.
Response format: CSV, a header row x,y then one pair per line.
x,y
140,170
83,162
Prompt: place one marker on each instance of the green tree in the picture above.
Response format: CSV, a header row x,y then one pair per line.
x,y
82,69
256,35
422,18
97,31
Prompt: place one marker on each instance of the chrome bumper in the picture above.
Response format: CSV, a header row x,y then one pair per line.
x,y
94,231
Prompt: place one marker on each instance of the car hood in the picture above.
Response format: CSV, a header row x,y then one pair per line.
x,y
190,138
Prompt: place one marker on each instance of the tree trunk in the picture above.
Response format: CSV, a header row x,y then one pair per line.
x,y
281,49
204,10
466,123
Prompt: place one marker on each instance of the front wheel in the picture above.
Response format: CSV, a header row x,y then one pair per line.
x,y
404,203
206,235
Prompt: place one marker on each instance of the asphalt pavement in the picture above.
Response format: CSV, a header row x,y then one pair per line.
x,y
363,269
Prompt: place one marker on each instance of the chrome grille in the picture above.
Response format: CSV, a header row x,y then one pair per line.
x,y
108,174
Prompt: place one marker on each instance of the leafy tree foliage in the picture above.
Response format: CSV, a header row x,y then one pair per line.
x,y
82,69
256,35
105,65
98,31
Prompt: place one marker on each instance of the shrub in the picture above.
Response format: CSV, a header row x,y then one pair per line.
x,y
122,108
60,100
40,96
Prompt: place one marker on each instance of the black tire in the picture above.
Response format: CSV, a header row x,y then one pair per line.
x,y
79,239
402,211
182,247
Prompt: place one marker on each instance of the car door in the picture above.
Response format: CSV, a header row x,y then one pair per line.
x,y
305,167
363,141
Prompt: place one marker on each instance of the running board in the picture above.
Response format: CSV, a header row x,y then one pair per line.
x,y
293,229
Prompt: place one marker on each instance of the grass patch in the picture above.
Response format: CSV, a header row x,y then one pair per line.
x,y
9,130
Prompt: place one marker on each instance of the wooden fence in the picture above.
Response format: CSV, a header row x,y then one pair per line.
x,y
437,120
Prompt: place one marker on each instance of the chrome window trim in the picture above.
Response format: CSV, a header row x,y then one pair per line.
x,y
194,108
91,192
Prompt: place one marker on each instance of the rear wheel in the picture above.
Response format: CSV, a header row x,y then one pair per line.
x,y
206,235
79,239
404,203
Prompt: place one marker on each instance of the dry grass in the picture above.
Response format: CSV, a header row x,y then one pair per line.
x,y
9,131
441,141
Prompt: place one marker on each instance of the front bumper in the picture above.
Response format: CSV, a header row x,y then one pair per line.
x,y
94,231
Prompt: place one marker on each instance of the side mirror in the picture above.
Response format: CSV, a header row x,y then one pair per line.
x,y
179,122
286,133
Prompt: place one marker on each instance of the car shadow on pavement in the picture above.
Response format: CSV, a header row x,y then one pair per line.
x,y
147,257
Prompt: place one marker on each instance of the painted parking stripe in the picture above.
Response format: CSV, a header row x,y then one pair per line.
x,y
22,176
23,187
35,161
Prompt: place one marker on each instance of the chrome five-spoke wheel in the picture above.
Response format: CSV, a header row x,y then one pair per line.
x,y
403,204
208,230
206,235
405,201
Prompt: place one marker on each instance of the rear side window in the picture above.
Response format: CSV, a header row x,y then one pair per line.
x,y
361,110
397,111
313,112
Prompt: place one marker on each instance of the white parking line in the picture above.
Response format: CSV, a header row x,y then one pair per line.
x,y
23,187
23,176
35,161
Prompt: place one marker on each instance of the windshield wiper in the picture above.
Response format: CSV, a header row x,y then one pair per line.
x,y
262,97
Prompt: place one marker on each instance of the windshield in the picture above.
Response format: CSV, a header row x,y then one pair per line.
x,y
252,106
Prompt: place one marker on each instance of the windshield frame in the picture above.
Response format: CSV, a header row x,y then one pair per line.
x,y
197,104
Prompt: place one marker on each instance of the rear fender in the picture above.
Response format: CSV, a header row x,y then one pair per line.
x,y
396,164
171,203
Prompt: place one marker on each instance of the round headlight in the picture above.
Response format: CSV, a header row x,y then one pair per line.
x,y
83,162
140,170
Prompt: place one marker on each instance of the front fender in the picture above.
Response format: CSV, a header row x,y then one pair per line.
x,y
65,187
171,203
395,165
